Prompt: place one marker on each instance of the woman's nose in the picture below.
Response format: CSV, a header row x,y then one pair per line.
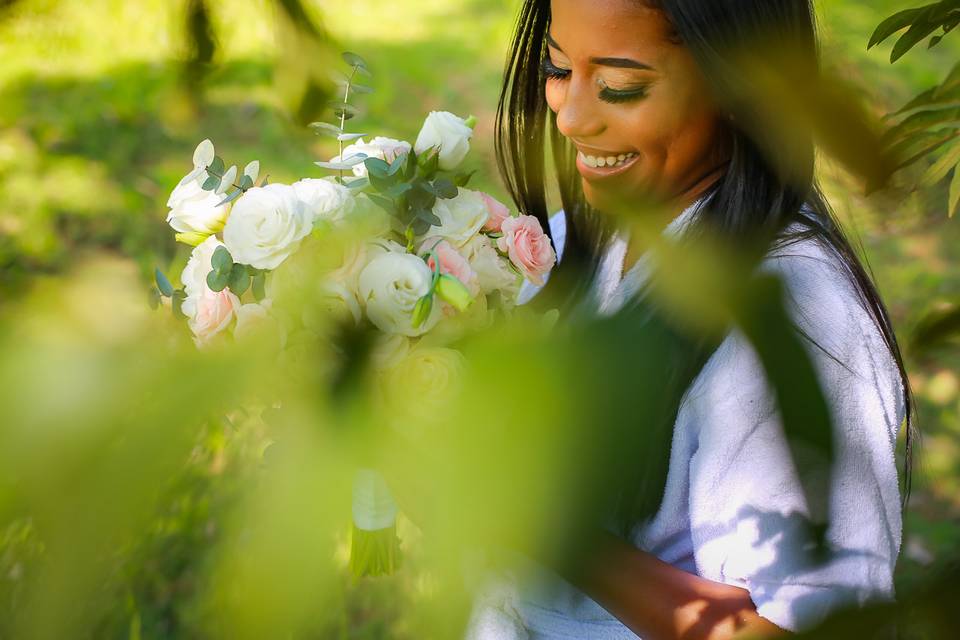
x,y
578,115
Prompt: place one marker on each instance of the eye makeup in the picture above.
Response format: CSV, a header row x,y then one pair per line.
x,y
612,96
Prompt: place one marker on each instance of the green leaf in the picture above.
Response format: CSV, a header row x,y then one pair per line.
x,y
934,41
397,165
916,146
444,188
462,179
221,261
454,292
343,110
428,217
429,162
377,167
177,303
398,190
357,183
163,284
353,59
218,280
350,137
941,167
153,298
334,166
410,170
954,192
325,129
259,286
361,89
232,196
239,279
246,182
217,166
894,23
421,311
920,29
384,203
212,183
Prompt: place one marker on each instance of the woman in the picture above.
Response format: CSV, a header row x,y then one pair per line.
x,y
639,99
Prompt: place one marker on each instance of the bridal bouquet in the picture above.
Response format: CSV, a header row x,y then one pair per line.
x,y
425,253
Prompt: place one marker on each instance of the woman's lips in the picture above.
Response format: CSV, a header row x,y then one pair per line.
x,y
585,165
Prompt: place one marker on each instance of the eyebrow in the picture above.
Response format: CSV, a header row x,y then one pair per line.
x,y
621,63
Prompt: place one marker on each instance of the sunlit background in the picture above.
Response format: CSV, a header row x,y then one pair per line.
x,y
98,118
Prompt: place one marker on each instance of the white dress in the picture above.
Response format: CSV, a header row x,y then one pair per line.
x,y
733,507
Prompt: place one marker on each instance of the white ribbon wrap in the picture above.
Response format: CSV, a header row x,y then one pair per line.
x,y
373,506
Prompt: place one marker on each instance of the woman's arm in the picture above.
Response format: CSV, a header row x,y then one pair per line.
x,y
658,601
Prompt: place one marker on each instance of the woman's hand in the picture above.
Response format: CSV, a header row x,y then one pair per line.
x,y
658,601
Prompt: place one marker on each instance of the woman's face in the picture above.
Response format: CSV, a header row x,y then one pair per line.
x,y
632,101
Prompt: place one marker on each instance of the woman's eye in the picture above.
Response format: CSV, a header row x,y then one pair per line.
x,y
617,96
554,72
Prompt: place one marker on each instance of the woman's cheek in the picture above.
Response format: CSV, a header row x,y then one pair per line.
x,y
553,91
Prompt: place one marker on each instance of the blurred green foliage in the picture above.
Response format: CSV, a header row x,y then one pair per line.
x,y
96,129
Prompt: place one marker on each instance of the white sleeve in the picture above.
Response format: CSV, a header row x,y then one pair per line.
x,y
748,511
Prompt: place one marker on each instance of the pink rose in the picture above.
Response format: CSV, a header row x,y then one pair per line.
x,y
209,313
528,247
452,263
498,213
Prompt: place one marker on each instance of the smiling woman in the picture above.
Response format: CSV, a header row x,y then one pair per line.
x,y
644,102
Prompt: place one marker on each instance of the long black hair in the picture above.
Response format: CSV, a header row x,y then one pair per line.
x,y
755,198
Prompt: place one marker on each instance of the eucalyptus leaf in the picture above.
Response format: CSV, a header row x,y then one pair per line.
x,y
252,170
398,190
444,188
463,179
259,286
246,182
361,89
212,183
153,298
232,196
217,166
239,279
217,280
353,59
343,110
163,284
221,261
355,159
357,183
326,129
177,303
334,166
350,137
384,203
377,167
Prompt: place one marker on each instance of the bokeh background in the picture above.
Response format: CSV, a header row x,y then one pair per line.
x,y
98,119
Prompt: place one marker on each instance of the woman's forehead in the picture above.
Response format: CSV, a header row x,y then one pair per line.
x,y
608,27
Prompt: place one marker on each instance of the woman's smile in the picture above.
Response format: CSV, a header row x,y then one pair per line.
x,y
604,165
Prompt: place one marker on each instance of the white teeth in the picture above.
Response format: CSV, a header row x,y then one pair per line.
x,y
607,161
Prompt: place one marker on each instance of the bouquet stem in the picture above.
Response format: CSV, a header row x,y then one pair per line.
x,y
374,544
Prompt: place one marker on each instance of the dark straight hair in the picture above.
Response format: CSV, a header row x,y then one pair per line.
x,y
755,198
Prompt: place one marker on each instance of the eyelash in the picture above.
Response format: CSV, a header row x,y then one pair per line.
x,y
613,96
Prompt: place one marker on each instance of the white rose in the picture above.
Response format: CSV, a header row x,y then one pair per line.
x,y
448,132
387,149
193,210
251,316
493,270
420,389
194,275
266,226
324,198
460,218
390,287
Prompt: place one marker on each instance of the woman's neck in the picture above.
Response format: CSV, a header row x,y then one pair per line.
x,y
672,208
